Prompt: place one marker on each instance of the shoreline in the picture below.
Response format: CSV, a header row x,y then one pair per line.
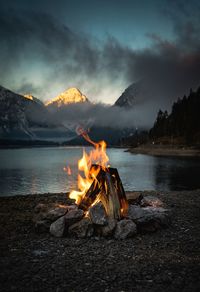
x,y
165,151
160,261
14,147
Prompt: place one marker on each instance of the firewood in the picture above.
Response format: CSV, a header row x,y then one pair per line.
x,y
114,209
106,187
93,191
120,191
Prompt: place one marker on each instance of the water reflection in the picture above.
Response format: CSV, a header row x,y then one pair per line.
x,y
177,173
40,170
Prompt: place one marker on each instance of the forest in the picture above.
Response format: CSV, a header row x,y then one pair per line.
x,y
182,125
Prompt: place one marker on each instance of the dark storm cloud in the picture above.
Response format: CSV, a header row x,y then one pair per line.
x,y
173,66
31,38
34,42
34,35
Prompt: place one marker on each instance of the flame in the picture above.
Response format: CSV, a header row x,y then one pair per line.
x,y
97,156
67,170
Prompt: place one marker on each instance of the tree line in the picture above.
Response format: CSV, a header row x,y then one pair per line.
x,y
182,125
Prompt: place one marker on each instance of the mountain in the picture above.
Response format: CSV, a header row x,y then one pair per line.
x,y
13,120
33,98
25,118
144,91
144,98
131,95
69,96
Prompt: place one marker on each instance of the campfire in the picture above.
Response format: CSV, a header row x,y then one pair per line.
x,y
100,183
101,207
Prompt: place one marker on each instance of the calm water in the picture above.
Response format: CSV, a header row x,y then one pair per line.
x,y
40,170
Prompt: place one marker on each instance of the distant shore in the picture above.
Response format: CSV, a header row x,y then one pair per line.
x,y
18,144
160,150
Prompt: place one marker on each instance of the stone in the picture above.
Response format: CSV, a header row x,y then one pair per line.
x,y
40,208
152,210
108,230
42,226
55,213
137,200
153,219
39,252
73,216
149,219
125,228
72,207
49,212
151,201
57,228
97,214
82,229
133,196
135,212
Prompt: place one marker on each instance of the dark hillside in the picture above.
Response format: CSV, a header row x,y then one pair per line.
x,y
182,126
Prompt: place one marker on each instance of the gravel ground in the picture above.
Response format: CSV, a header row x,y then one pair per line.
x,y
168,260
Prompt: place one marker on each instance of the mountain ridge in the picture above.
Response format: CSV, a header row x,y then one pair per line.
x,y
70,96
26,118
135,93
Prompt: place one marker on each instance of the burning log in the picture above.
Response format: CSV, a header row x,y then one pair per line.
x,y
107,188
117,196
101,183
94,190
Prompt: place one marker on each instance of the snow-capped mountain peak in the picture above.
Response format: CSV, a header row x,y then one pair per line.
x,y
69,96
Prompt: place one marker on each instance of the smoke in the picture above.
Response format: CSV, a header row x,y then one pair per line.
x,y
41,55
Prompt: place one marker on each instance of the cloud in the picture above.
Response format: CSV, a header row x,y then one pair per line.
x,y
27,87
100,115
39,48
38,53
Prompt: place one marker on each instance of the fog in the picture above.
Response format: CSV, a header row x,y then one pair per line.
x,y
101,115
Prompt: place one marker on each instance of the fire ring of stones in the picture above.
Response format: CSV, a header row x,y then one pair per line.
x,y
144,215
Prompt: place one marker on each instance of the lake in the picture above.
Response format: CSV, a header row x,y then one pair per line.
x,y
40,170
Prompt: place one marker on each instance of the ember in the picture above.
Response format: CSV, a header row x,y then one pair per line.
x,y
100,183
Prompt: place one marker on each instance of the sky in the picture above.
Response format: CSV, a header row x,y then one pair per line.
x,y
100,47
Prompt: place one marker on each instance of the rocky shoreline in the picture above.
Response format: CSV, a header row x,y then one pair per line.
x,y
167,260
